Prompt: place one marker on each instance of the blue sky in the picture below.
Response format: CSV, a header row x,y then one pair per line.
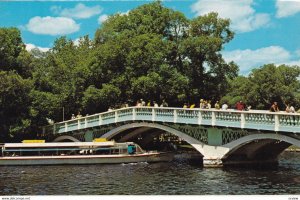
x,y
267,31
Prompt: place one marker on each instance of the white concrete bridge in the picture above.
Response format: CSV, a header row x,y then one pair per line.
x,y
221,136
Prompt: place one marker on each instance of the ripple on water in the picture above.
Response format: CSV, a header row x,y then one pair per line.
x,y
178,178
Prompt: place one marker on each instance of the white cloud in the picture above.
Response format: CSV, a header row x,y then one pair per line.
x,y
76,41
241,13
125,13
287,8
29,47
52,25
102,18
248,59
80,11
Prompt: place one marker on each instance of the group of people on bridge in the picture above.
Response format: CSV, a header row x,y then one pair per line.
x,y
203,104
207,104
288,108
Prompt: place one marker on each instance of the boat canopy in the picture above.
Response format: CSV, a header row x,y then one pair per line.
x,y
60,144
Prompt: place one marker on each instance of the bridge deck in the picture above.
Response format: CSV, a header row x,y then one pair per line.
x,y
256,119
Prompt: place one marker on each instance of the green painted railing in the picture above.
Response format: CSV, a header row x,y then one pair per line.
x,y
253,119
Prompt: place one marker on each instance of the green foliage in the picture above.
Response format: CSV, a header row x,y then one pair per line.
x,y
266,85
133,50
61,77
10,47
14,104
13,55
99,99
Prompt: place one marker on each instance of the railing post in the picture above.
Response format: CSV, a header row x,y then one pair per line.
x,y
133,114
199,117
66,127
78,124
85,122
175,116
213,118
153,114
100,120
276,123
116,116
243,120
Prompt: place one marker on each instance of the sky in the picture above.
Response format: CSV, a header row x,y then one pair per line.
x,y
266,31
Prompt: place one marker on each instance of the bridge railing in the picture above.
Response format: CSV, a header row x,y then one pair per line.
x,y
254,119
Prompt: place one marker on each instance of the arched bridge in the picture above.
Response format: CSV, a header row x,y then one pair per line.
x,y
221,136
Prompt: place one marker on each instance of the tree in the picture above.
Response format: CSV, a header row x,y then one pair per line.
x,y
10,47
132,50
202,50
265,85
15,85
15,104
100,99
61,77
13,55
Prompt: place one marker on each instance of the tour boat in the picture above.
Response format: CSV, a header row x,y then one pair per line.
x,y
63,153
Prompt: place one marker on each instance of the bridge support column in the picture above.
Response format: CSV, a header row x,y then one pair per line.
x,y
212,155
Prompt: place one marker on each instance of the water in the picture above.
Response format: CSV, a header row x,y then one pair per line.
x,y
175,178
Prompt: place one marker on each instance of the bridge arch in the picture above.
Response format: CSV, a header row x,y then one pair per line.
x,y
66,137
253,145
199,146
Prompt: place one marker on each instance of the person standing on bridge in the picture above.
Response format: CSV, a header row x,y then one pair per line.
x,y
164,104
78,115
143,103
224,106
289,108
217,105
208,105
240,105
202,104
149,103
274,107
138,103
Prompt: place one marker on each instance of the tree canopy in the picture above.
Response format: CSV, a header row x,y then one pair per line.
x,y
153,52
265,85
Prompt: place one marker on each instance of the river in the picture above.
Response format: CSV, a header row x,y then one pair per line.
x,y
178,177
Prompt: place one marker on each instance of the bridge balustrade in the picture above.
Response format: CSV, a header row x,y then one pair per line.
x,y
258,120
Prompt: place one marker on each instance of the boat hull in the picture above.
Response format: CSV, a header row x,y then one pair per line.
x,y
86,159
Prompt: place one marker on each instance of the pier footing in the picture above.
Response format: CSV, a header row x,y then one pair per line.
x,y
212,162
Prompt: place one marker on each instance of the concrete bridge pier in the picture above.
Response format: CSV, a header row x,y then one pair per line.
x,y
212,155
